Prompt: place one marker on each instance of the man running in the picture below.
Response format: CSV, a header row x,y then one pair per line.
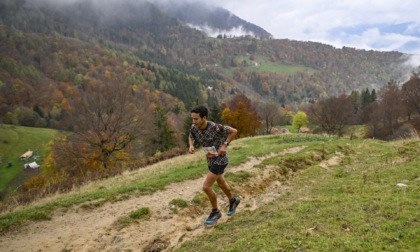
x,y
214,139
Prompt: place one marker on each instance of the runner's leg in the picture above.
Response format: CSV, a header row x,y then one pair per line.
x,y
221,182
208,188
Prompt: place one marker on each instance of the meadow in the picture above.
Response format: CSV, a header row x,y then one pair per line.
x,y
369,201
15,141
354,204
270,67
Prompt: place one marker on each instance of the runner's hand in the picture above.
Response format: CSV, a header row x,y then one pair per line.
x,y
191,150
222,150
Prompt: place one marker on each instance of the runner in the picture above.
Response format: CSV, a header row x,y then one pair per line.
x,y
214,138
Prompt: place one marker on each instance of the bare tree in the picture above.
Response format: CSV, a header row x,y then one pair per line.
x,y
107,119
269,113
390,107
332,114
384,114
410,95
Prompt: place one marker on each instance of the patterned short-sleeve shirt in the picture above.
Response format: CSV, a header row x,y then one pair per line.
x,y
214,135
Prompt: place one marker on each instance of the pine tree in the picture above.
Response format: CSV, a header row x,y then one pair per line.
x,y
164,138
187,127
215,114
366,98
38,110
373,96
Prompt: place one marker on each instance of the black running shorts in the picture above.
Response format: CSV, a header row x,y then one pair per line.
x,y
217,169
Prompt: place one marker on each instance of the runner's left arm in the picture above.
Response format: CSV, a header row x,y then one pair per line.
x,y
232,134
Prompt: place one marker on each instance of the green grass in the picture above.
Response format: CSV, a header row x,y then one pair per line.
x,y
15,141
143,212
179,203
269,67
290,128
239,176
353,206
358,131
240,152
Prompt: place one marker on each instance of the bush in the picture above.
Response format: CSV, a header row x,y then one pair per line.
x,y
406,131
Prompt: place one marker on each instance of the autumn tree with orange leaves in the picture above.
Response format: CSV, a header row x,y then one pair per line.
x,y
242,116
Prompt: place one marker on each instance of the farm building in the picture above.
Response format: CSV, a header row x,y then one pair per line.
x,y
304,130
32,165
26,156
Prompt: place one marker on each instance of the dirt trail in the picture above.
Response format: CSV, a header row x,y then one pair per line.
x,y
95,230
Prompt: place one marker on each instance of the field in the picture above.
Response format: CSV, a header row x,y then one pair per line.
x,y
15,141
352,205
271,67
330,195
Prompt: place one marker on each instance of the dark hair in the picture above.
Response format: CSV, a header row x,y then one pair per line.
x,y
202,110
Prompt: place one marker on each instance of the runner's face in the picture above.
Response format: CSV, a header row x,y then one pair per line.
x,y
197,120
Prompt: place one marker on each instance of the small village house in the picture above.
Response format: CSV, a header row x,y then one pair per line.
x,y
32,165
26,156
304,130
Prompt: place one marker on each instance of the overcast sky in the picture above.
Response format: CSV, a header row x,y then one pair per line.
x,y
383,25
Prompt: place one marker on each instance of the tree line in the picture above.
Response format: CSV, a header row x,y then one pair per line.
x,y
391,113
113,130
143,31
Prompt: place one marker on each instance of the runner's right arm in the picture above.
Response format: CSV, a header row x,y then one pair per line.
x,y
191,142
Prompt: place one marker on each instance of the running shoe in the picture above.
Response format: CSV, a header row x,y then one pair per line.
x,y
213,217
233,205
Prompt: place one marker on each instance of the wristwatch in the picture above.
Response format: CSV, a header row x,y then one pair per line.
x,y
227,144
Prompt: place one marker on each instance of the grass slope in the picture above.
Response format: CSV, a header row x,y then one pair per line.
x,y
272,67
15,141
354,205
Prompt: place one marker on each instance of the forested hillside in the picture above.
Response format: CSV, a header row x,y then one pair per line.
x,y
123,75
35,35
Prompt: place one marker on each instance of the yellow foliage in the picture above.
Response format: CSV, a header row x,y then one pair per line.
x,y
65,105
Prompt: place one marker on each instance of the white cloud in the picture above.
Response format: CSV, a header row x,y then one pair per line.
x,y
314,20
237,31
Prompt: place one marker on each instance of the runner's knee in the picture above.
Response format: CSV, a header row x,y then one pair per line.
x,y
206,188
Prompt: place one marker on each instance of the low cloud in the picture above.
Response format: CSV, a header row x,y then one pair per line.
x,y
411,63
319,20
211,32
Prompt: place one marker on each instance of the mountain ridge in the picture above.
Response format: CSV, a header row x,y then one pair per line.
x,y
212,20
145,38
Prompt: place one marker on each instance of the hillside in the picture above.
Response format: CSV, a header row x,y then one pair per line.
x,y
298,192
51,51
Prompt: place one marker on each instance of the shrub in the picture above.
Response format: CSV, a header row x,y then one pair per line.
x,y
406,131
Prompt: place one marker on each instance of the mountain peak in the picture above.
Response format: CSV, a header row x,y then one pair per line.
x,y
212,20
